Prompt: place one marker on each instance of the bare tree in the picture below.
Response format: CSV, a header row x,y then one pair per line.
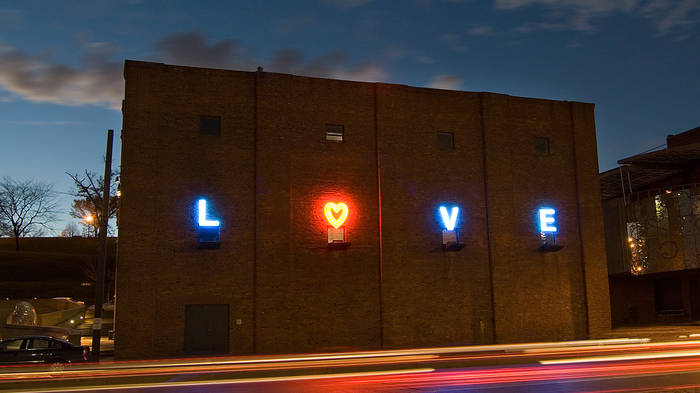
x,y
26,208
88,207
70,230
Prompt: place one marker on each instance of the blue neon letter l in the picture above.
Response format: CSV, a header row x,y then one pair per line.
x,y
202,213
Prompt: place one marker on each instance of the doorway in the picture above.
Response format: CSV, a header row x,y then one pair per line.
x,y
206,328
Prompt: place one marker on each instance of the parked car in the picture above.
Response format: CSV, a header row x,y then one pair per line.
x,y
41,349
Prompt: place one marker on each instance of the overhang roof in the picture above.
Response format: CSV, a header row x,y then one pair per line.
x,y
676,158
611,181
647,168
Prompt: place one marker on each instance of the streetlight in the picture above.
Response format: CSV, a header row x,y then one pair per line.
x,y
89,220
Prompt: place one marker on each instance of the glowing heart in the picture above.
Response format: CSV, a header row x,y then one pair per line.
x,y
332,210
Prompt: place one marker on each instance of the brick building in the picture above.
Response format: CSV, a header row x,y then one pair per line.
x,y
260,269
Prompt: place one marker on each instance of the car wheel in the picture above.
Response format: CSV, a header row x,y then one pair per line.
x,y
57,365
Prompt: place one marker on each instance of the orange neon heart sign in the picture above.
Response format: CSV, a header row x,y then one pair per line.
x,y
332,210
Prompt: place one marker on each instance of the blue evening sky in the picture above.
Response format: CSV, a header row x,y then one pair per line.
x,y
61,62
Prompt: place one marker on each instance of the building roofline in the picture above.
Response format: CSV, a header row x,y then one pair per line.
x,y
140,63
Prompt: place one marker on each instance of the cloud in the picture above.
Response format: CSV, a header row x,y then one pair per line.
x,y
348,3
364,72
582,15
481,30
667,15
530,27
286,60
99,81
10,17
423,59
447,82
47,122
95,53
192,49
579,14
35,78
398,53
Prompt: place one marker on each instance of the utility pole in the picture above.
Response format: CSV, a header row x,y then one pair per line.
x,y
102,252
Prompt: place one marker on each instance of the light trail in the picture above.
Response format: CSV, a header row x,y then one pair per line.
x,y
615,358
547,369
211,368
232,381
679,388
528,374
346,355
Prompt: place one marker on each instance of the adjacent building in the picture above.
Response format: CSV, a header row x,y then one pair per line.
x,y
272,213
50,267
651,205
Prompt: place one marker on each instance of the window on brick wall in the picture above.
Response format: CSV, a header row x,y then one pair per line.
x,y
335,132
446,141
210,125
541,146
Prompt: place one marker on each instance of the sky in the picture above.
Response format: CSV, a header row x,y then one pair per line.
x,y
61,81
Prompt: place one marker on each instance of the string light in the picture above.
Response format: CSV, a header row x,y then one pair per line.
x,y
637,246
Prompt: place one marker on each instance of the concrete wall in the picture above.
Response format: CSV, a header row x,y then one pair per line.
x,y
271,171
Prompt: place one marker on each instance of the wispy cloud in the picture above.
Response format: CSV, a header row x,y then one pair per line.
x,y
99,81
398,53
584,15
334,65
481,30
667,15
348,3
47,122
423,59
36,78
192,49
447,82
10,17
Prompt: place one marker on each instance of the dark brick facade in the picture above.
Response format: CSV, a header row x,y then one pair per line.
x,y
269,173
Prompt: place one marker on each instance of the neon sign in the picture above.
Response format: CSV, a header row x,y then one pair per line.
x,y
547,219
202,215
449,220
331,210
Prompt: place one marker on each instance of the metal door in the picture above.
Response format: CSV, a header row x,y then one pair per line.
x,y
206,328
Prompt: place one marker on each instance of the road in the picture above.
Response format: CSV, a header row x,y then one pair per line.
x,y
587,366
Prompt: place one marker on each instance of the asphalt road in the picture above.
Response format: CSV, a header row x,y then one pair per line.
x,y
610,366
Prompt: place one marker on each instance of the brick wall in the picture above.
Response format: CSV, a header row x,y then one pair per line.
x,y
269,173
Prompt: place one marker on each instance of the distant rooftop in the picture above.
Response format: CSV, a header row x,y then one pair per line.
x,y
641,170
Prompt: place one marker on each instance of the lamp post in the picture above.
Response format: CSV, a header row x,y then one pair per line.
x,y
102,253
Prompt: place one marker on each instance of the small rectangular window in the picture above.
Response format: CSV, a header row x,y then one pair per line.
x,y
541,146
210,125
446,141
335,132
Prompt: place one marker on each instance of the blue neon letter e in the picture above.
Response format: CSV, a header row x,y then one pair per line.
x,y
546,219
